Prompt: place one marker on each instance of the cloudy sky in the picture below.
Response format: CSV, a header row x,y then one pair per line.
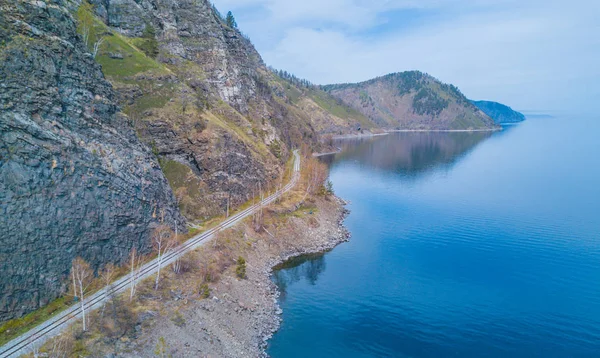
x,y
530,54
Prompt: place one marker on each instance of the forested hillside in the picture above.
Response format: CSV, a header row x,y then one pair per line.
x,y
411,100
500,113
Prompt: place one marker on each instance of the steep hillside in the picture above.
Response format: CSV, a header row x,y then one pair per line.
x,y
501,114
189,118
325,113
221,123
74,178
411,100
117,113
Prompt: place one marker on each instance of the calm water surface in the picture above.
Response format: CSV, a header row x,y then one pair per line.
x,y
463,245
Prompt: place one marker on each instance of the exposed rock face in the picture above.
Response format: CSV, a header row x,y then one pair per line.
x,y
412,100
74,179
191,30
220,116
222,168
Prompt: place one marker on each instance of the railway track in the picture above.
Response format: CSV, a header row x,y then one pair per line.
x,y
52,327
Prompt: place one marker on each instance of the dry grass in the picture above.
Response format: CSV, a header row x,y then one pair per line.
x,y
199,270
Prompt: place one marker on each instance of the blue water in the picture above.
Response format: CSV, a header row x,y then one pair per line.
x,y
463,245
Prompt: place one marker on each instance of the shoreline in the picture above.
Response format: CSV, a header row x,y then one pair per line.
x,y
445,130
241,316
388,131
316,155
358,135
332,243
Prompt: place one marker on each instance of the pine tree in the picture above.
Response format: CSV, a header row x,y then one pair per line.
x,y
230,20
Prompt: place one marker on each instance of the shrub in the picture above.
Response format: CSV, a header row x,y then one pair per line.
x,y
161,348
178,319
204,291
240,270
329,187
149,45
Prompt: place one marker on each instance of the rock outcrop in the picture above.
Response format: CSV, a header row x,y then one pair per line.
x,y
74,178
203,101
190,30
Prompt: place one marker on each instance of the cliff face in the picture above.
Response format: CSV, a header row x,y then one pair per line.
x,y
191,30
412,100
217,118
74,179
175,109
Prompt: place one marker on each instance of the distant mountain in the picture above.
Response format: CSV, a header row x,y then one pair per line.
x,y
411,100
501,114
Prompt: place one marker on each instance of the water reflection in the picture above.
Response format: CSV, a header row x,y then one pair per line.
x,y
306,267
409,153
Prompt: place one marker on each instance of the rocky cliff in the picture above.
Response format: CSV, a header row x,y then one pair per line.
x,y
221,123
116,113
74,178
412,100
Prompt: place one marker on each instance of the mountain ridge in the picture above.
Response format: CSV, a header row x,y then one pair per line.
x,y
411,100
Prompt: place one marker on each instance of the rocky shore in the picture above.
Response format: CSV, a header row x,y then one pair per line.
x,y
241,315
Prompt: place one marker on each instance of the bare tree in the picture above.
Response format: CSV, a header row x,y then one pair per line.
x,y
85,33
162,241
82,277
34,346
317,174
177,265
60,346
228,201
258,216
176,242
97,46
85,19
228,155
134,263
185,100
107,276
58,350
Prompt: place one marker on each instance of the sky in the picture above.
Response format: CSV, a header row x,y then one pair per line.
x,y
529,54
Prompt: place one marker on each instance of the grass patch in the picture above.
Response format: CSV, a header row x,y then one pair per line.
x,y
258,146
188,188
464,121
148,101
292,93
134,60
305,211
176,173
15,327
332,106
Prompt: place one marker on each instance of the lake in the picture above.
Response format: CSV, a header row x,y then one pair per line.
x,y
463,245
